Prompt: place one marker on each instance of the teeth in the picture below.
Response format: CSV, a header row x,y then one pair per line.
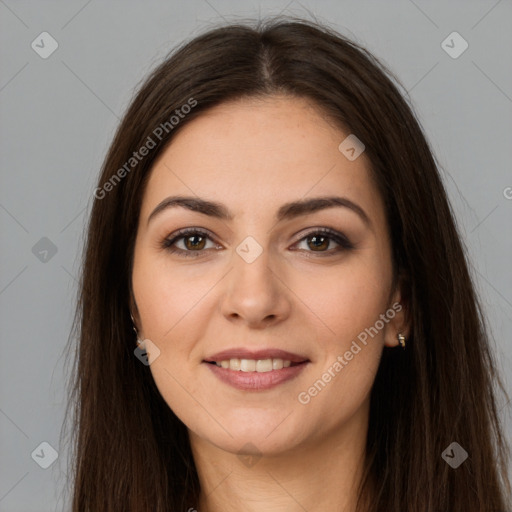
x,y
247,365
263,365
252,365
277,364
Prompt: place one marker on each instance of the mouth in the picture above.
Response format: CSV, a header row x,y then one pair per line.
x,y
263,360
258,373
256,365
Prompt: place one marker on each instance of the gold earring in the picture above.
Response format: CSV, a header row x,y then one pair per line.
x,y
133,325
140,343
401,340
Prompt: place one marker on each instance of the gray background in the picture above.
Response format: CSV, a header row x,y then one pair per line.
x,y
57,119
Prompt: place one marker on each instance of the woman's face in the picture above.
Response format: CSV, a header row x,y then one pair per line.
x,y
264,279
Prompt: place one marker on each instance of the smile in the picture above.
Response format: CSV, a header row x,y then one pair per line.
x,y
255,375
254,365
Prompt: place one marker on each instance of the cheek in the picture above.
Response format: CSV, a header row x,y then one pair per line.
x,y
346,299
175,305
337,394
169,304
349,345
167,296
348,302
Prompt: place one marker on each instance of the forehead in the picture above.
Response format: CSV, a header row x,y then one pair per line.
x,y
255,152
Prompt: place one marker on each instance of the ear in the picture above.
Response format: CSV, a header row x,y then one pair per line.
x,y
400,323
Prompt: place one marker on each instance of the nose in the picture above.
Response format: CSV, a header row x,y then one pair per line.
x,y
256,293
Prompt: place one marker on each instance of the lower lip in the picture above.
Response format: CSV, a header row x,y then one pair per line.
x,y
256,381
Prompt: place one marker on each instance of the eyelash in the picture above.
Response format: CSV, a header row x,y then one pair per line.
x,y
339,238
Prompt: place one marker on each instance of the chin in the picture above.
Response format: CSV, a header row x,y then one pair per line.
x,y
252,441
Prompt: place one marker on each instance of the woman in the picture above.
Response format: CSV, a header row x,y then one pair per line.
x,y
271,223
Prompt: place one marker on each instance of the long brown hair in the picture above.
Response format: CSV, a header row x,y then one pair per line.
x,y
130,451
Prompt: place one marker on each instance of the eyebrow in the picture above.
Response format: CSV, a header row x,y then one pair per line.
x,y
286,212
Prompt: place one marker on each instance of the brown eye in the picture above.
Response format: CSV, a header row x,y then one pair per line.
x,y
318,242
194,241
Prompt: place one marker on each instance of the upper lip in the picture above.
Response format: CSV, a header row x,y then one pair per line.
x,y
243,353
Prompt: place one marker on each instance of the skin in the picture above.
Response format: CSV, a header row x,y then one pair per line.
x,y
254,155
